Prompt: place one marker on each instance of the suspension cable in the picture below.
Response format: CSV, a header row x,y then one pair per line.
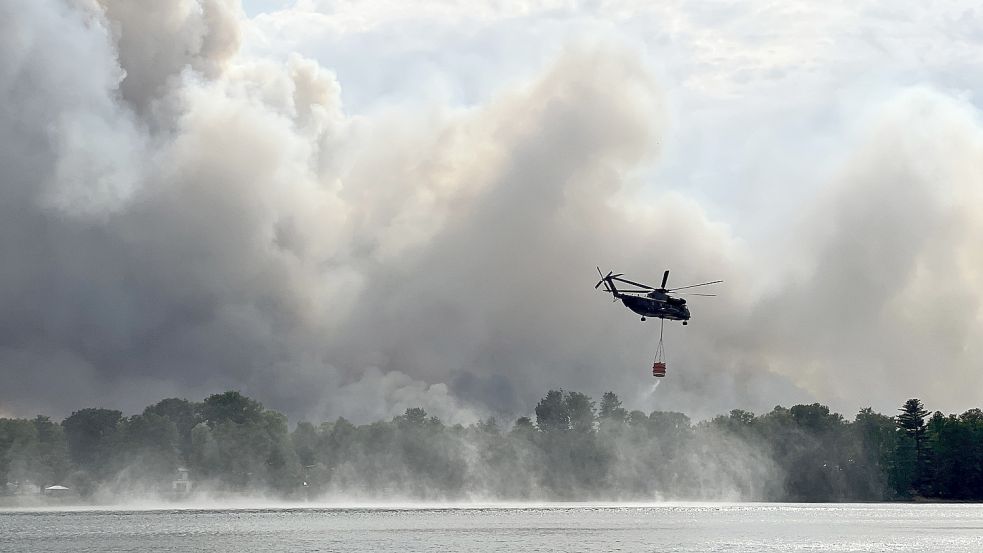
x,y
660,351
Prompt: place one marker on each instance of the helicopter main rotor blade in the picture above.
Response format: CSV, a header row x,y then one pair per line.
x,y
696,294
640,285
665,277
694,285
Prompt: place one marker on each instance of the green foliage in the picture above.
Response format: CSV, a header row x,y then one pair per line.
x,y
305,440
580,409
559,411
254,453
954,456
916,469
903,466
523,427
611,409
91,437
552,414
183,414
873,438
18,450
231,407
145,452
573,452
912,418
636,418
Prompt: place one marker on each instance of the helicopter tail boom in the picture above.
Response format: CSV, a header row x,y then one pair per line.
x,y
610,287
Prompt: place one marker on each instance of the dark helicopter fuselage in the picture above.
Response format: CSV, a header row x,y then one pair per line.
x,y
649,301
664,307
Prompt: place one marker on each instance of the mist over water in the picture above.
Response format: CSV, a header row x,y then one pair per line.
x,y
678,527
229,448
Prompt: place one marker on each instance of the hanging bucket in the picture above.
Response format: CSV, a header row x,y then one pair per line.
x,y
658,369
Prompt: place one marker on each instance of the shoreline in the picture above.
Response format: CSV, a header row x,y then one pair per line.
x,y
264,504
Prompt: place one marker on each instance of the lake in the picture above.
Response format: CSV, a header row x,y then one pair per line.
x,y
553,527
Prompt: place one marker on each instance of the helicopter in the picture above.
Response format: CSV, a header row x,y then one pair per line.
x,y
650,301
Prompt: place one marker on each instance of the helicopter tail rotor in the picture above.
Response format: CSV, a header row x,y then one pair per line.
x,y
604,279
608,282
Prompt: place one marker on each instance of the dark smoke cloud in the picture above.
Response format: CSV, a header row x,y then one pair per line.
x,y
178,218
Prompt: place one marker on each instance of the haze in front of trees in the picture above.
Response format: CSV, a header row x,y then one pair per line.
x,y
572,449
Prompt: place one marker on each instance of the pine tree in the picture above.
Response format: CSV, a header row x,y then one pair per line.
x,y
911,422
611,409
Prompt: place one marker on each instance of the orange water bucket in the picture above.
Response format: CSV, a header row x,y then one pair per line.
x,y
658,369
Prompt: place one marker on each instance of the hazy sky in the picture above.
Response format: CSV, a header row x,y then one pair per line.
x,y
355,207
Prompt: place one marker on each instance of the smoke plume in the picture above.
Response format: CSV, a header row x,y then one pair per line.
x,y
187,208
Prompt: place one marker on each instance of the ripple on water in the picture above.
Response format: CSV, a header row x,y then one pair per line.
x,y
663,527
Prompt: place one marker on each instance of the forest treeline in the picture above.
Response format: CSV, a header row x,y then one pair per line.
x,y
574,449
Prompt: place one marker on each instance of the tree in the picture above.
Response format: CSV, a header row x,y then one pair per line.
x,y
611,409
902,470
231,406
801,453
18,451
337,442
283,471
911,422
972,424
665,423
580,409
204,454
912,418
815,459
637,419
305,439
54,464
183,414
741,417
90,435
874,443
252,454
552,414
815,417
413,417
145,450
523,426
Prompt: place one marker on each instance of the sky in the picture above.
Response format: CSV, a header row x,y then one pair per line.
x,y
350,208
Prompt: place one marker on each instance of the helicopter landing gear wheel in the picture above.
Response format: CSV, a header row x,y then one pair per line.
x,y
643,319
685,323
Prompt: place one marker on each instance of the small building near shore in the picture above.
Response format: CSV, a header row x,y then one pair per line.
x,y
57,491
182,484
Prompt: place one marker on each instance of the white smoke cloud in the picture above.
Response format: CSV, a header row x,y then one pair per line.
x,y
355,208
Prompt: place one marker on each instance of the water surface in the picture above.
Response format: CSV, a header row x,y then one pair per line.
x,y
676,527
